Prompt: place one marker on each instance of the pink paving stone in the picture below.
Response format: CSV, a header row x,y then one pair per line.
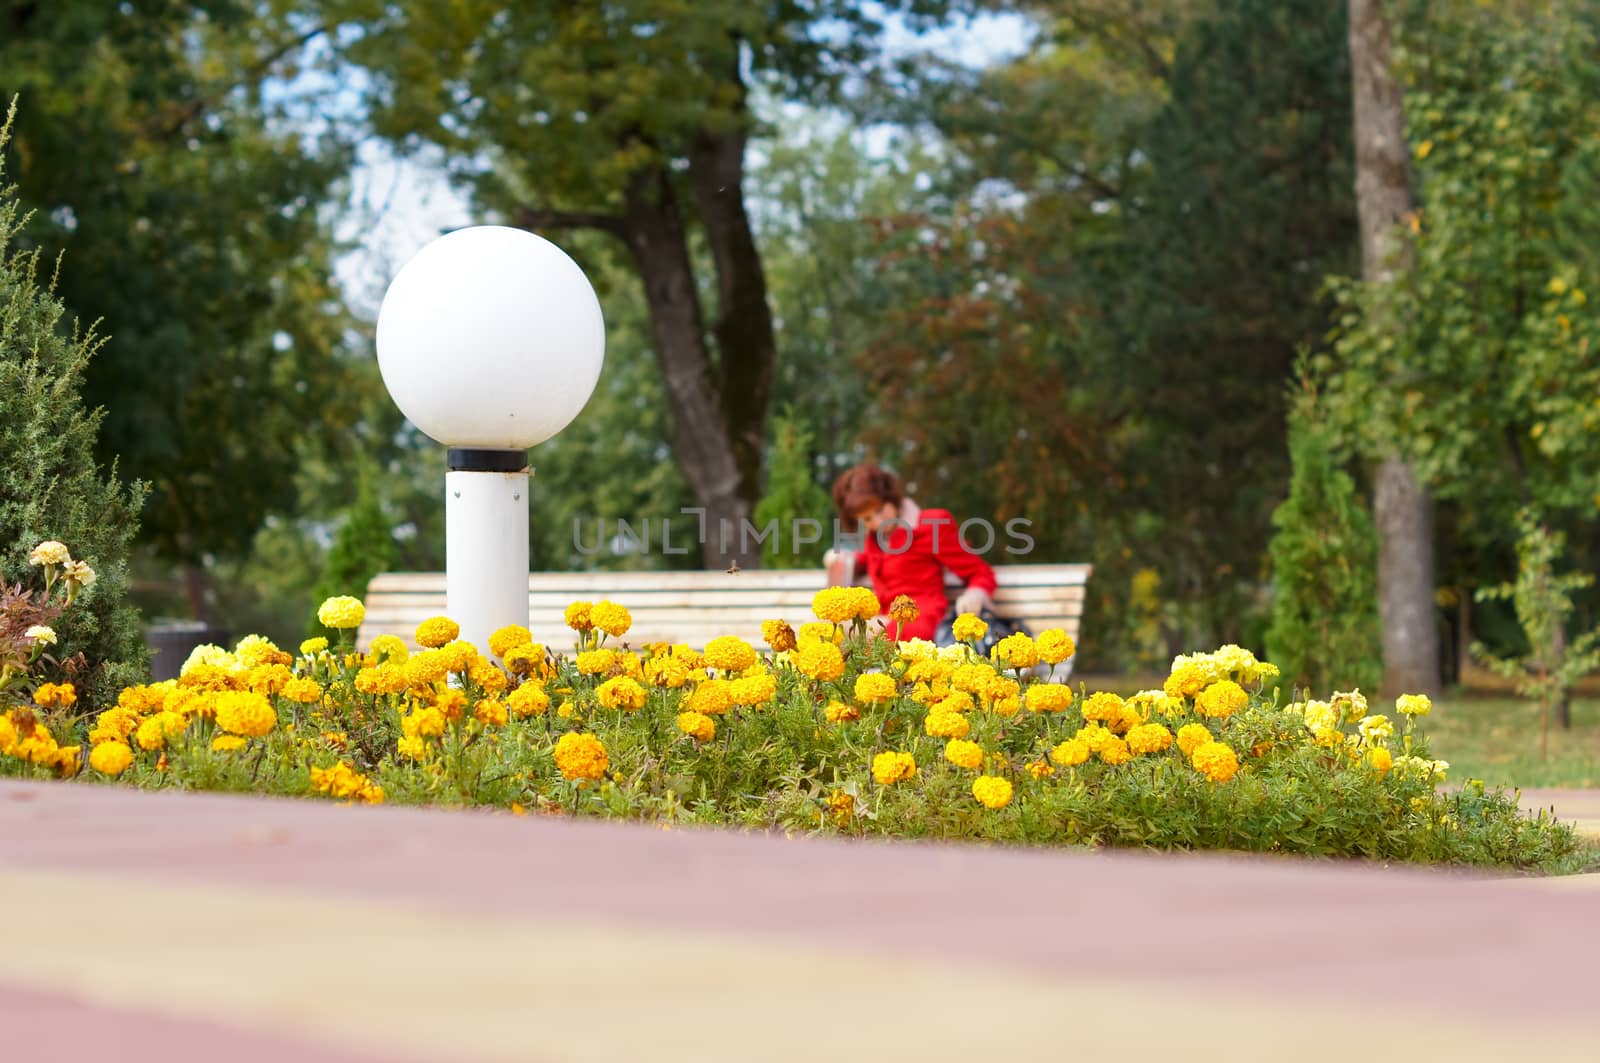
x,y
53,1026
1458,943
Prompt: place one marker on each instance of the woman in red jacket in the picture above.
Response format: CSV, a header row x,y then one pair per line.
x,y
905,550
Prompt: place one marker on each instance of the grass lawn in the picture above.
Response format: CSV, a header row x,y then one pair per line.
x,y
1496,739
1484,735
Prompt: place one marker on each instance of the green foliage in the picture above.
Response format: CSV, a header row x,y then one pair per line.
x,y
792,495
1543,602
1324,631
1478,362
363,547
190,198
50,485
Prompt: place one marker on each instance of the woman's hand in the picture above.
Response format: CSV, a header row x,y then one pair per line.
x,y
974,600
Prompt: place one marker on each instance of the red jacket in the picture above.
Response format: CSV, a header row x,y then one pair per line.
x,y
917,569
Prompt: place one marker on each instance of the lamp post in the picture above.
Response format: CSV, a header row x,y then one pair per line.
x,y
490,340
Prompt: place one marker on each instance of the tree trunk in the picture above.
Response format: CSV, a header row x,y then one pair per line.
x,y
1405,582
1400,502
743,330
654,231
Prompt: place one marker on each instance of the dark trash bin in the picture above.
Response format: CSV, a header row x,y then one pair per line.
x,y
171,642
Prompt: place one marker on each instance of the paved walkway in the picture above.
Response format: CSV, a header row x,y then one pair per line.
x,y
174,927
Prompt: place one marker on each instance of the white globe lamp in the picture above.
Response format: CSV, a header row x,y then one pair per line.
x,y
490,340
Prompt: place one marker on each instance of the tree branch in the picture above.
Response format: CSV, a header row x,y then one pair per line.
x,y
531,218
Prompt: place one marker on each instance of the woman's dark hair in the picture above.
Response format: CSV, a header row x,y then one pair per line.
x,y
862,486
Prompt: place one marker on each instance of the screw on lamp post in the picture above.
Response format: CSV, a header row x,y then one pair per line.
x,y
490,340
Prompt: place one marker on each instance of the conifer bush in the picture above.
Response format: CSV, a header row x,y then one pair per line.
x,y
1324,630
51,488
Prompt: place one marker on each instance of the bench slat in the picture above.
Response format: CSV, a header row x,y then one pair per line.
x,y
780,601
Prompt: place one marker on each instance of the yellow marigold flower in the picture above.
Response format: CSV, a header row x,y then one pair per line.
x,y
114,725
303,691
1040,769
972,678
820,661
341,613
154,731
451,702
1215,761
1191,736
8,735
820,632
508,638
1115,751
1350,705
426,722
831,604
946,725
50,695
1102,706
595,662
839,712
1221,699
611,618
43,633
903,610
529,699
1379,759
1016,651
111,758
753,689
316,645
436,631
964,754
269,678
954,701
968,628
1001,687
992,791
245,713
697,725
581,756
713,697
1055,645
729,653
666,671
459,656
487,677
49,552
891,767
1048,697
490,712
623,693
412,748
779,635
577,616
1186,680
1149,738
227,743
79,572
336,739
368,682
252,651
424,669
1413,704
841,806
874,688
526,659
343,781
1375,729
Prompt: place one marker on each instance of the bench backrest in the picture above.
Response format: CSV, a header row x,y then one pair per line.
x,y
693,607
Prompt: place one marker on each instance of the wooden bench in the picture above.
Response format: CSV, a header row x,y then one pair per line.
x,y
694,607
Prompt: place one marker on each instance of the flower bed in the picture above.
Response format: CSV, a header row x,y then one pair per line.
x,y
828,728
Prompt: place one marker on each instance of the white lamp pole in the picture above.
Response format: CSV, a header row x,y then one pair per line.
x,y
490,340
